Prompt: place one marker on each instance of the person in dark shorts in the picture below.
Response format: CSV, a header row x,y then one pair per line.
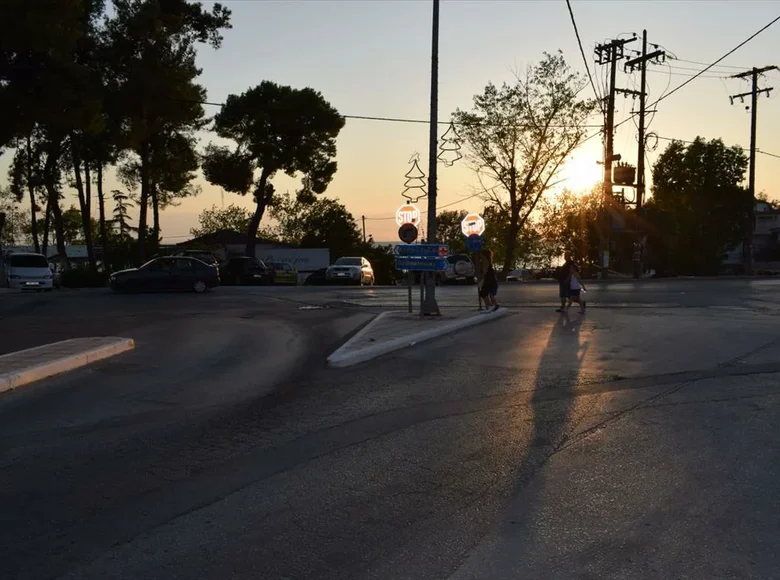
x,y
564,281
488,281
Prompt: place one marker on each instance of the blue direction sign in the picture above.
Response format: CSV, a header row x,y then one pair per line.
x,y
475,242
420,264
423,250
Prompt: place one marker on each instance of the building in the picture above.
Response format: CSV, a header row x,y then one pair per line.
x,y
766,249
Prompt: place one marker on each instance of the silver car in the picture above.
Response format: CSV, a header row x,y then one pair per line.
x,y
351,270
459,267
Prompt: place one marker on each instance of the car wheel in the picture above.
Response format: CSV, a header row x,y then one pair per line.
x,y
199,287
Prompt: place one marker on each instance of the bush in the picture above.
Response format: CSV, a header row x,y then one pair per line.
x,y
83,278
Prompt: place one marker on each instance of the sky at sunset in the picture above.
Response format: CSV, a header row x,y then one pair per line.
x,y
372,58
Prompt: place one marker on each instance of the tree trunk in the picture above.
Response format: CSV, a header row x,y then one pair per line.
x,y
155,217
84,202
102,215
46,223
50,182
142,210
514,225
31,189
254,222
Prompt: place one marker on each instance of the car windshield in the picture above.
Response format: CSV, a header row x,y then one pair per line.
x,y
28,261
348,262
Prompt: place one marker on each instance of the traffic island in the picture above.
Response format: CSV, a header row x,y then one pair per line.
x,y
33,364
392,331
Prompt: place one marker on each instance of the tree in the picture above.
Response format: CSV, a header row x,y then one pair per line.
x,y
275,128
16,226
698,209
568,223
448,230
121,219
153,55
321,223
519,136
214,219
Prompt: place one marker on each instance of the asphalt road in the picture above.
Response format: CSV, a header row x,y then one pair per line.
x,y
638,441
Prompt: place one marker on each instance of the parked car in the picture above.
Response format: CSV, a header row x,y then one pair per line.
x,y
459,267
28,271
352,270
283,273
166,273
202,255
317,278
244,270
521,274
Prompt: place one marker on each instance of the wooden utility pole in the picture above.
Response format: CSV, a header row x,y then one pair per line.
x,y
641,62
754,92
610,53
364,228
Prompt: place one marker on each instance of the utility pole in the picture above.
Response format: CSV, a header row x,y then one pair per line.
x,y
609,53
364,228
754,92
429,305
641,61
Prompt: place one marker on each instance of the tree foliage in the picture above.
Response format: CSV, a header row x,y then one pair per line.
x,y
323,223
699,208
275,128
216,219
519,136
448,230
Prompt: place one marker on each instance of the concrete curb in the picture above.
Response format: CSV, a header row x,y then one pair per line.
x,y
64,363
340,359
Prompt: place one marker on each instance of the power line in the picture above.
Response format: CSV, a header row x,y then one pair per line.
x,y
424,121
376,219
705,64
709,66
584,58
775,155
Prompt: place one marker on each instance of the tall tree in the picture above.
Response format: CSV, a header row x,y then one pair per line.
x,y
26,180
153,51
699,207
275,128
121,219
519,136
215,219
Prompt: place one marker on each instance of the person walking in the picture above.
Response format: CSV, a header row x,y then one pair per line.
x,y
487,279
576,287
564,280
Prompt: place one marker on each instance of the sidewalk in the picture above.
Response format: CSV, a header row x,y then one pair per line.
x,y
394,330
33,364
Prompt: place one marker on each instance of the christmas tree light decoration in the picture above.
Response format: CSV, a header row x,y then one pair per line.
x,y
415,181
450,147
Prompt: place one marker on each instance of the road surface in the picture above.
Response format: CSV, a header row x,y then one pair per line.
x,y
638,441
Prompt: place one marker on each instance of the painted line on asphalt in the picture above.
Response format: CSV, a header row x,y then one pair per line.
x,y
62,356
342,358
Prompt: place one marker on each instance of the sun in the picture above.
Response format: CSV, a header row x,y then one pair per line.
x,y
581,173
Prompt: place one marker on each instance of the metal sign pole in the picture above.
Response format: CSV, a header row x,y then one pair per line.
x,y
409,278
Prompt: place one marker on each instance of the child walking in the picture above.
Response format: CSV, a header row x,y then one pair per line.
x,y
488,282
575,288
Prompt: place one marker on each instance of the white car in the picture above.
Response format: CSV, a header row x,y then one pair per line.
x,y
351,270
28,271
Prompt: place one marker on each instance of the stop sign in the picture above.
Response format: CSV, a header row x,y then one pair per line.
x,y
472,224
407,214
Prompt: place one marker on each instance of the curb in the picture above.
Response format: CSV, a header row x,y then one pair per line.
x,y
62,364
337,360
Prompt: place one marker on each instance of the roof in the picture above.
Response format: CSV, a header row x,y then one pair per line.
x,y
227,238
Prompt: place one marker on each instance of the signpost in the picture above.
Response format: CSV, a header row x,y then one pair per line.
x,y
407,214
473,227
421,258
407,233
473,223
474,243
